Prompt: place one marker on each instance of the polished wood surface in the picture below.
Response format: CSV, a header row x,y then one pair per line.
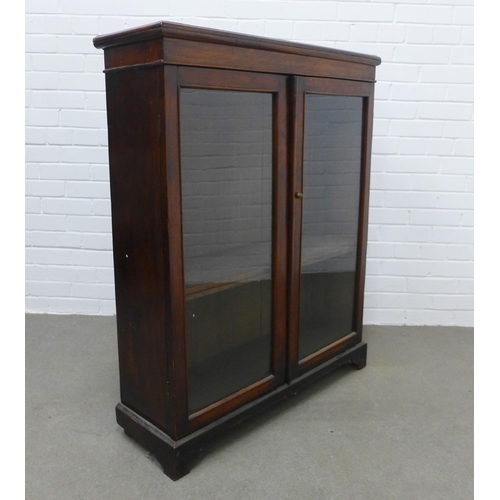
x,y
140,264
165,29
175,456
145,70
205,78
301,86
171,43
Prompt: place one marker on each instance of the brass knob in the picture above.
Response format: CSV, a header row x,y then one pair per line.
x,y
299,195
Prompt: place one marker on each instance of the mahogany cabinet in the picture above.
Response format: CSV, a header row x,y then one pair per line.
x,y
239,176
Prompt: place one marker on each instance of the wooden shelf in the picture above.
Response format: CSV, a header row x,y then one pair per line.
x,y
240,264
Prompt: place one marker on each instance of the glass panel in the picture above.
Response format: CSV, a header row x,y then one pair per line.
x,y
332,163
226,157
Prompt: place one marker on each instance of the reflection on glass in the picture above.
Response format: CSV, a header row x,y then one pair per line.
x,y
332,161
226,161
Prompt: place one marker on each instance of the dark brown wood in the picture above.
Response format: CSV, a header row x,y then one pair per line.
x,y
145,69
169,30
184,52
327,86
175,456
147,53
280,263
363,209
174,250
205,78
133,100
296,150
187,52
204,47
220,79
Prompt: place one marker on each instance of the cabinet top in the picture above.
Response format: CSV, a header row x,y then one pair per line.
x,y
169,30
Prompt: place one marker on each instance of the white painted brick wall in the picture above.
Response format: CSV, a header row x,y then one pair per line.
x,y
420,252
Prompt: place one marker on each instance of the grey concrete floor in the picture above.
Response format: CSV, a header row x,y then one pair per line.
x,y
402,428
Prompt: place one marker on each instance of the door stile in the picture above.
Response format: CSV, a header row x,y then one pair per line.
x,y
176,346
296,152
280,182
363,211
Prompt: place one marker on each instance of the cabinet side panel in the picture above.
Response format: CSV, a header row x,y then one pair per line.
x,y
148,52
134,101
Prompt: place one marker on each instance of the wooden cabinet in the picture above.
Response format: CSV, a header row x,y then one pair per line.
x,y
239,174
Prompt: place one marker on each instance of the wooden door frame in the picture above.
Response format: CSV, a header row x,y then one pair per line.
x,y
298,88
219,79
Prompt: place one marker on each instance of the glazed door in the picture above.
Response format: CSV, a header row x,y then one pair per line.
x,y
233,176
329,200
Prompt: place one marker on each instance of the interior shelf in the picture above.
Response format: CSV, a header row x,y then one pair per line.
x,y
238,264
